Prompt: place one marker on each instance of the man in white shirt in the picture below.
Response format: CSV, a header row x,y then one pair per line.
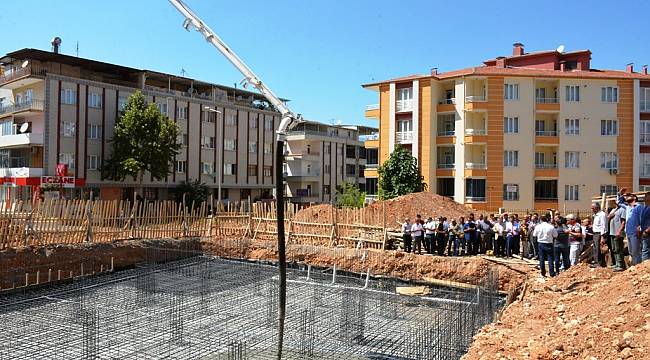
x,y
545,234
406,235
600,231
417,234
429,233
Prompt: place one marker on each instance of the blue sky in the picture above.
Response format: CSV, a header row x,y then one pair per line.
x,y
317,53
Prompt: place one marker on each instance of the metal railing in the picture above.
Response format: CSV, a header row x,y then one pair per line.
x,y
541,100
28,70
545,166
546,198
475,98
303,174
450,101
405,105
372,107
369,137
25,105
545,132
644,138
471,165
404,137
644,106
475,132
446,132
15,162
475,198
446,165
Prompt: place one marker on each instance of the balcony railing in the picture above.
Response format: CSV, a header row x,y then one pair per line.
x,y
644,106
372,107
446,165
546,197
475,198
446,132
644,139
473,165
541,100
545,132
20,172
450,101
545,166
472,132
28,70
303,174
23,106
475,98
369,137
404,137
405,105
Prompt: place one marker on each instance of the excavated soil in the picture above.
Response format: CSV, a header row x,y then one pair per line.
x,y
581,314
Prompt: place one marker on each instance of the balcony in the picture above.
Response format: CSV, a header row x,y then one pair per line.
x,y
405,137
545,166
31,105
544,104
21,172
405,105
446,132
472,199
21,73
446,105
304,199
372,111
475,98
644,106
644,139
475,166
545,132
446,165
541,100
18,140
448,101
475,132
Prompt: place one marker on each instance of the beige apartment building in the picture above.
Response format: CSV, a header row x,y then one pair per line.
x,y
528,131
319,158
61,110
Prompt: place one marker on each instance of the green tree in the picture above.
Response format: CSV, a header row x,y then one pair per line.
x,y
195,192
400,175
144,140
349,195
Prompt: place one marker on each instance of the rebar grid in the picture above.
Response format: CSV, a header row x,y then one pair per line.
x,y
199,307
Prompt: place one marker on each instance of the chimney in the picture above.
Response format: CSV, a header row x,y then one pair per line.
x,y
517,49
629,68
434,71
56,42
501,62
645,69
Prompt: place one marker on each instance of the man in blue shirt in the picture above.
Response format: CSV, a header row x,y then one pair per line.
x,y
470,235
644,214
632,223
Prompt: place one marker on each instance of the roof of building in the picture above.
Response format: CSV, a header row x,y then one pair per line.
x,y
100,66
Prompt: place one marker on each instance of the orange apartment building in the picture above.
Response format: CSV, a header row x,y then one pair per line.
x,y
532,130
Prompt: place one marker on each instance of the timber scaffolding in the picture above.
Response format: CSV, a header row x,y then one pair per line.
x,y
184,304
96,221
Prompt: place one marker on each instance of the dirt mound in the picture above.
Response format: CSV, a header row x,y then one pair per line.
x,y
581,314
423,203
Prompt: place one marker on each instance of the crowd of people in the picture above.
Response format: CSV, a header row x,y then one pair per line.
x,y
560,241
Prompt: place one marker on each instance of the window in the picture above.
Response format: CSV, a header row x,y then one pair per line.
x,y
67,159
252,147
609,160
545,189
326,190
572,93
68,129
230,144
207,168
231,119
571,192
94,131
267,171
372,157
209,116
572,159
268,148
475,189
511,192
446,124
404,125
511,158
328,147
29,94
182,139
252,170
181,166
208,142
253,123
68,96
644,165
93,162
572,126
181,112
445,186
644,132
405,94
644,188
268,124
511,125
121,102
7,127
95,100
608,127
511,92
609,189
229,169
163,108
327,168
609,94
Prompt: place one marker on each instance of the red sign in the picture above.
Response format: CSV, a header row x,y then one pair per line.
x,y
61,170
65,181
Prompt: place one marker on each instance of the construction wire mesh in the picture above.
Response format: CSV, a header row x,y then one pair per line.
x,y
186,305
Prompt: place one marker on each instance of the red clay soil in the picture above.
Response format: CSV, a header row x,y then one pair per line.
x,y
423,203
583,313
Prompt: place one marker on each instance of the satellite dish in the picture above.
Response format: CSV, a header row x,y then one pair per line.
x,y
23,128
560,49
25,63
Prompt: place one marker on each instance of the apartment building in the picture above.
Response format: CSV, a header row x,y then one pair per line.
x,y
61,110
531,130
370,138
319,158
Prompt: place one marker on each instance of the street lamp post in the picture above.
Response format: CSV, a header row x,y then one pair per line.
x,y
220,165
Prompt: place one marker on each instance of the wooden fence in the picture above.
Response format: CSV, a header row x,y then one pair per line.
x,y
79,221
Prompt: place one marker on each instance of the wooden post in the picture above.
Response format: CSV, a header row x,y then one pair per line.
x,y
383,216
